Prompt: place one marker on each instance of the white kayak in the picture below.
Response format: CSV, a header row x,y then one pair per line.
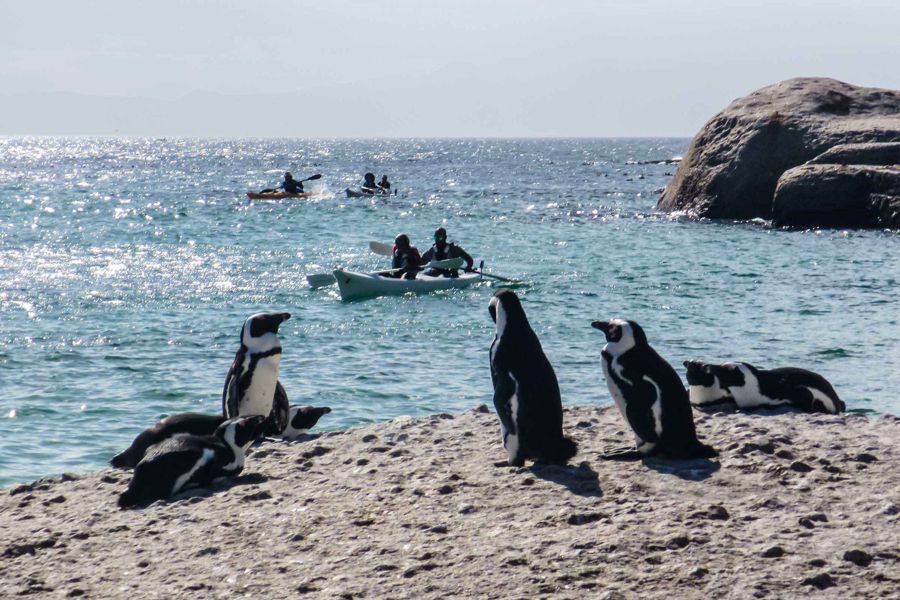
x,y
367,285
368,192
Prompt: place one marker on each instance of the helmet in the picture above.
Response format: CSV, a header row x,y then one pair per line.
x,y
288,175
440,234
401,241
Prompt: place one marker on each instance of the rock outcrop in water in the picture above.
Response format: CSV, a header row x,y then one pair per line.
x,y
741,164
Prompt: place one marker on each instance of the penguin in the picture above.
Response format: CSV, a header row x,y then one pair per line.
x,y
302,419
181,424
747,387
649,394
251,386
184,461
526,392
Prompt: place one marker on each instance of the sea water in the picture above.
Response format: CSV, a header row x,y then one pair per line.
x,y
129,265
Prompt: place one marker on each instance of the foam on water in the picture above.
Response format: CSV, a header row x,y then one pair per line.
x,y
128,267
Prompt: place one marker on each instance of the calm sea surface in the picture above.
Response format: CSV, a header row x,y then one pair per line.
x,y
127,267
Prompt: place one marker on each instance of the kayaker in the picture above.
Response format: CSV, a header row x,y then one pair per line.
x,y
405,257
369,185
384,184
291,185
442,251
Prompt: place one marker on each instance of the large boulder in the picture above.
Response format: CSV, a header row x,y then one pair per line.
x,y
860,154
733,164
831,195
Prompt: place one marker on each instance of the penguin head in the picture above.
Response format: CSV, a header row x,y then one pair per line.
x,y
732,374
505,308
304,417
240,431
621,335
699,373
260,331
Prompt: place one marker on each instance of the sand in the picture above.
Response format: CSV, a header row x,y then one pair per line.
x,y
795,506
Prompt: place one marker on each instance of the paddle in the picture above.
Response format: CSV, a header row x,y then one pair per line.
x,y
325,279
310,178
381,248
481,272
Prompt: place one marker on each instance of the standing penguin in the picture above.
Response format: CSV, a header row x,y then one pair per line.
x,y
251,386
649,394
184,461
526,392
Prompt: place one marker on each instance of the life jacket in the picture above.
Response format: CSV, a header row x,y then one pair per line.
x,y
405,259
444,254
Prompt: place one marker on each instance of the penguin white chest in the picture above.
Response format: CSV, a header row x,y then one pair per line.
x,y
511,441
257,400
617,394
711,394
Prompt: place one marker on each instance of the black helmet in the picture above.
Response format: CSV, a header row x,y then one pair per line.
x,y
440,234
401,241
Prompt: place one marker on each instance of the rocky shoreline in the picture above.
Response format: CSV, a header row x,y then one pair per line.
x,y
796,505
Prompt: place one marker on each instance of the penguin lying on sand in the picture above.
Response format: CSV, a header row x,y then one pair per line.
x,y
302,419
526,392
649,394
252,386
181,424
184,461
745,387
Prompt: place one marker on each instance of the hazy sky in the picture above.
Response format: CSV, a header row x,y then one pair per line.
x,y
420,67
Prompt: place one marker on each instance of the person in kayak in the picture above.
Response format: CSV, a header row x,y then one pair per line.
x,y
384,184
369,186
405,258
442,251
291,185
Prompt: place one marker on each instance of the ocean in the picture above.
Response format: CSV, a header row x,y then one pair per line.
x,y
129,265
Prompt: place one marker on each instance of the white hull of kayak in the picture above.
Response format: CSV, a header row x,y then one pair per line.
x,y
363,285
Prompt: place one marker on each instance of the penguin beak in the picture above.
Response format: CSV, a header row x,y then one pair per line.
x,y
601,325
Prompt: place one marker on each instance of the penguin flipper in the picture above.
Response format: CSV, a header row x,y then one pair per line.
x,y
279,418
639,411
231,399
504,390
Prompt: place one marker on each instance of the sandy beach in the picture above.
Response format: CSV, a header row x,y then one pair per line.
x,y
795,506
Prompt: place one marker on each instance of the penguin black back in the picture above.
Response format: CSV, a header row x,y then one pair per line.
x,y
526,391
184,423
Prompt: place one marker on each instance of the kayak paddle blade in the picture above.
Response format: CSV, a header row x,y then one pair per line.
x,y
320,280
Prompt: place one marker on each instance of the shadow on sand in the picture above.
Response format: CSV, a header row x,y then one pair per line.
x,y
581,480
690,469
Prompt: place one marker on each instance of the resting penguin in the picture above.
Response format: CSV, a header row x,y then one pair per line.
x,y
746,387
251,386
302,419
185,461
526,393
182,424
649,394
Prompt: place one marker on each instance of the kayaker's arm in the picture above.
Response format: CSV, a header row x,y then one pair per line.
x,y
460,253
